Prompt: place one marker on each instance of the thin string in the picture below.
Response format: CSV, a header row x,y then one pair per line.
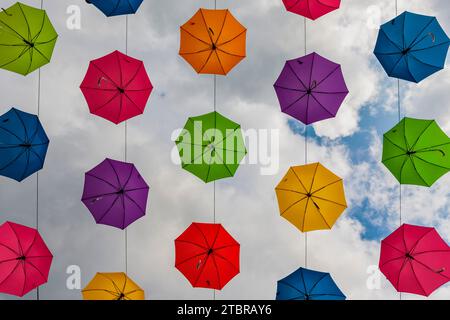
x,y
214,182
306,145
126,147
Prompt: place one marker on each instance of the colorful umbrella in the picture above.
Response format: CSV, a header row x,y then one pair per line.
x,y
116,7
23,144
27,38
207,255
415,259
116,87
412,47
416,152
115,193
112,286
311,88
311,9
311,197
213,41
24,259
305,284
211,146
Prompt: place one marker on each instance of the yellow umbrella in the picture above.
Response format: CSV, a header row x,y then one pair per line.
x,y
311,197
112,286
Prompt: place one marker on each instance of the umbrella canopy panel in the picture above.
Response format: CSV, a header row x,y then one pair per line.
x,y
116,87
416,152
207,255
115,193
312,9
412,47
23,144
116,7
311,88
112,286
27,38
213,41
305,284
415,259
311,197
211,146
25,259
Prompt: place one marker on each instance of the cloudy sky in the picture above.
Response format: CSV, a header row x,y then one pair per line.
x,y
271,248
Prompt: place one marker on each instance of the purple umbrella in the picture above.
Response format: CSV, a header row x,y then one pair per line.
x,y
311,88
115,193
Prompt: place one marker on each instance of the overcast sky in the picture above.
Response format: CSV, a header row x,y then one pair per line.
x,y
271,248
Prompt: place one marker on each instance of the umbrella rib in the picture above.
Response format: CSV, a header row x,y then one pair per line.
x,y
196,52
104,290
22,123
432,47
433,164
107,102
226,260
41,28
415,169
395,65
294,4
209,168
24,276
101,179
327,76
295,203
224,164
6,25
323,199
114,8
299,180
434,271
13,160
46,42
220,62
325,5
193,243
400,273
203,235
230,54
124,284
305,213
295,102
206,26
193,36
115,172
401,169
37,155
108,210
10,249
430,251
295,74
415,276
128,179
314,178
122,199
225,247
113,283
336,92
427,148
391,260
31,60
133,103
290,89
288,190
15,59
320,212
12,271
321,105
39,51
26,21
217,270
141,65
206,62
420,239
400,147
11,133
103,73
303,281
223,25
215,238
201,270
417,59
190,258
226,137
390,245
291,286
132,200
389,39
39,271
315,285
327,185
26,165
390,158
308,6
413,43
199,128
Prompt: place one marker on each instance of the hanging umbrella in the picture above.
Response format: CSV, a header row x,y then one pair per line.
x,y
412,47
115,193
211,147
311,197
116,87
116,7
213,41
207,255
112,286
416,152
311,9
305,284
415,259
311,88
27,39
24,259
23,144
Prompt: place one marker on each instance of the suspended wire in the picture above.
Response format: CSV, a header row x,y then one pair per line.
x,y
214,182
306,145
126,147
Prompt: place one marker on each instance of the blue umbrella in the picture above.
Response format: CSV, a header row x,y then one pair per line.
x,y
23,144
412,47
305,284
116,7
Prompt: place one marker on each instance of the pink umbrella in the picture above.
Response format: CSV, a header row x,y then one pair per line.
x,y
415,259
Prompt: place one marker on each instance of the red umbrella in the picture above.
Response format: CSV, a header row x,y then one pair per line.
x,y
116,87
415,259
24,259
207,255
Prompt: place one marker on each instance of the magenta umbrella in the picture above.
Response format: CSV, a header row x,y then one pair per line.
x,y
311,88
415,259
115,193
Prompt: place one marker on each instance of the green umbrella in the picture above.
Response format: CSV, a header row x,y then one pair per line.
x,y
211,146
27,38
416,152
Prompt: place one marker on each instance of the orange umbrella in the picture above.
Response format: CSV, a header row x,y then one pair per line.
x,y
213,41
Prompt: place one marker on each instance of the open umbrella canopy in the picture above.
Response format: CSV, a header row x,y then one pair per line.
x,y
207,255
211,146
311,197
213,41
116,87
412,47
116,7
311,9
112,286
115,193
311,88
24,259
415,259
23,144
305,284
416,152
27,38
